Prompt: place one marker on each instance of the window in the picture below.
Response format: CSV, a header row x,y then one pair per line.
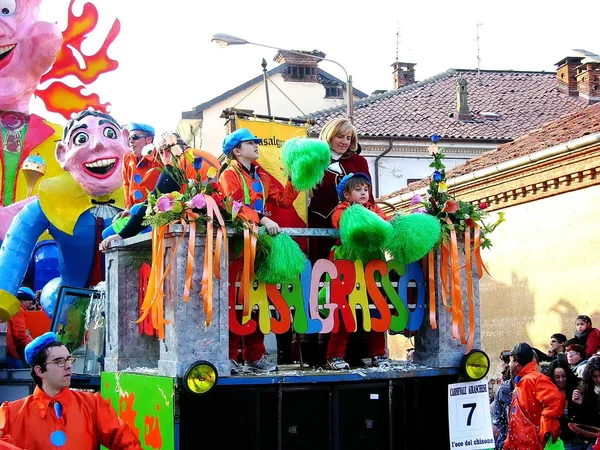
x,y
333,92
300,73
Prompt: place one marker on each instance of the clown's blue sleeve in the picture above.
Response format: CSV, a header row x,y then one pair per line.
x,y
19,244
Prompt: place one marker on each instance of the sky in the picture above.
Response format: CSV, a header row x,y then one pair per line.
x,y
168,64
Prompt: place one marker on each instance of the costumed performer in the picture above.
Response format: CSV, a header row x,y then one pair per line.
x,y
203,164
246,182
74,206
17,336
354,189
55,416
141,169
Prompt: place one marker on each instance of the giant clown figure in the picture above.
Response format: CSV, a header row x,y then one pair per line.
x,y
28,48
74,206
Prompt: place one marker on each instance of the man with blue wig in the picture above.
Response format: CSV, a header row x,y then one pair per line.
x,y
56,416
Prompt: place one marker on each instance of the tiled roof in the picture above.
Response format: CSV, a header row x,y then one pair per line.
x,y
560,131
522,100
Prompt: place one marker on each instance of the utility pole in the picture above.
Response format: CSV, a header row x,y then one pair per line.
x,y
266,81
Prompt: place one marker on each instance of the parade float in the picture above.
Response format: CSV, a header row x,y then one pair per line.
x,y
154,337
172,298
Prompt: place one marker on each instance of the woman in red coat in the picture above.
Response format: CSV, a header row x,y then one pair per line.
x,y
342,139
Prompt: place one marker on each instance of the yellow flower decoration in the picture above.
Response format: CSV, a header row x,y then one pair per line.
x,y
442,187
211,173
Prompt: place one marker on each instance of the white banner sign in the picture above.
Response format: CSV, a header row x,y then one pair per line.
x,y
469,417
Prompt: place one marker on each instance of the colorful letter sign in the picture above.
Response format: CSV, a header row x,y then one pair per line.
x,y
309,305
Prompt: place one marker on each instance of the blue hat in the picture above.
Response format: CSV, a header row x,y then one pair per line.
x,y
234,139
342,184
25,293
133,126
39,344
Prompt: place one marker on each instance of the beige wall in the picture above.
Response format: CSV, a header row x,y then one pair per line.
x,y
545,270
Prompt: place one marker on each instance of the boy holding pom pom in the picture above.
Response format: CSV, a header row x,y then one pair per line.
x,y
246,182
352,190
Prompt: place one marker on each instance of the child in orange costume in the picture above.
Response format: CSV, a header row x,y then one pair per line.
x,y
246,182
354,189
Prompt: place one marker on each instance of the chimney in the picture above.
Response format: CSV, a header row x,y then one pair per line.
x,y
404,74
588,81
299,67
566,75
462,104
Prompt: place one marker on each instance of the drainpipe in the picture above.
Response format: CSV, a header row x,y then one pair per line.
x,y
381,155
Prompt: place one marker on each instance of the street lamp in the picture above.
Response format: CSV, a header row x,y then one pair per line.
x,y
223,40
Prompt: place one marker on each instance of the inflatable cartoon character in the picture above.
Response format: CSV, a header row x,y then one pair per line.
x,y
28,48
74,206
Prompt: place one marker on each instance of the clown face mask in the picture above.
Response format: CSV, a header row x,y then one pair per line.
x,y
92,150
28,48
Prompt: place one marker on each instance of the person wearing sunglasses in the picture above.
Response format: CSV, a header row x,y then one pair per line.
x,y
57,416
141,169
139,178
171,151
557,345
245,181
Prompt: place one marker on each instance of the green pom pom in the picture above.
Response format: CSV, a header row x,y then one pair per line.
x,y
363,233
278,258
305,161
414,236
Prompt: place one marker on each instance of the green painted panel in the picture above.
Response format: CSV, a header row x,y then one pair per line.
x,y
146,404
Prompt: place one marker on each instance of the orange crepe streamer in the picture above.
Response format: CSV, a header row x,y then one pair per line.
x,y
206,291
209,266
250,241
479,262
457,309
469,277
189,271
432,299
153,301
444,271
245,288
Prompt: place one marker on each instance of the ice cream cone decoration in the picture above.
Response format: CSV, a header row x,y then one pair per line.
x,y
33,168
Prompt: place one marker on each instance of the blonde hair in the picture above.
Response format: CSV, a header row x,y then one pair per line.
x,y
341,126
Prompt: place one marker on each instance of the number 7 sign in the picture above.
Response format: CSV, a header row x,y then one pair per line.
x,y
469,417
